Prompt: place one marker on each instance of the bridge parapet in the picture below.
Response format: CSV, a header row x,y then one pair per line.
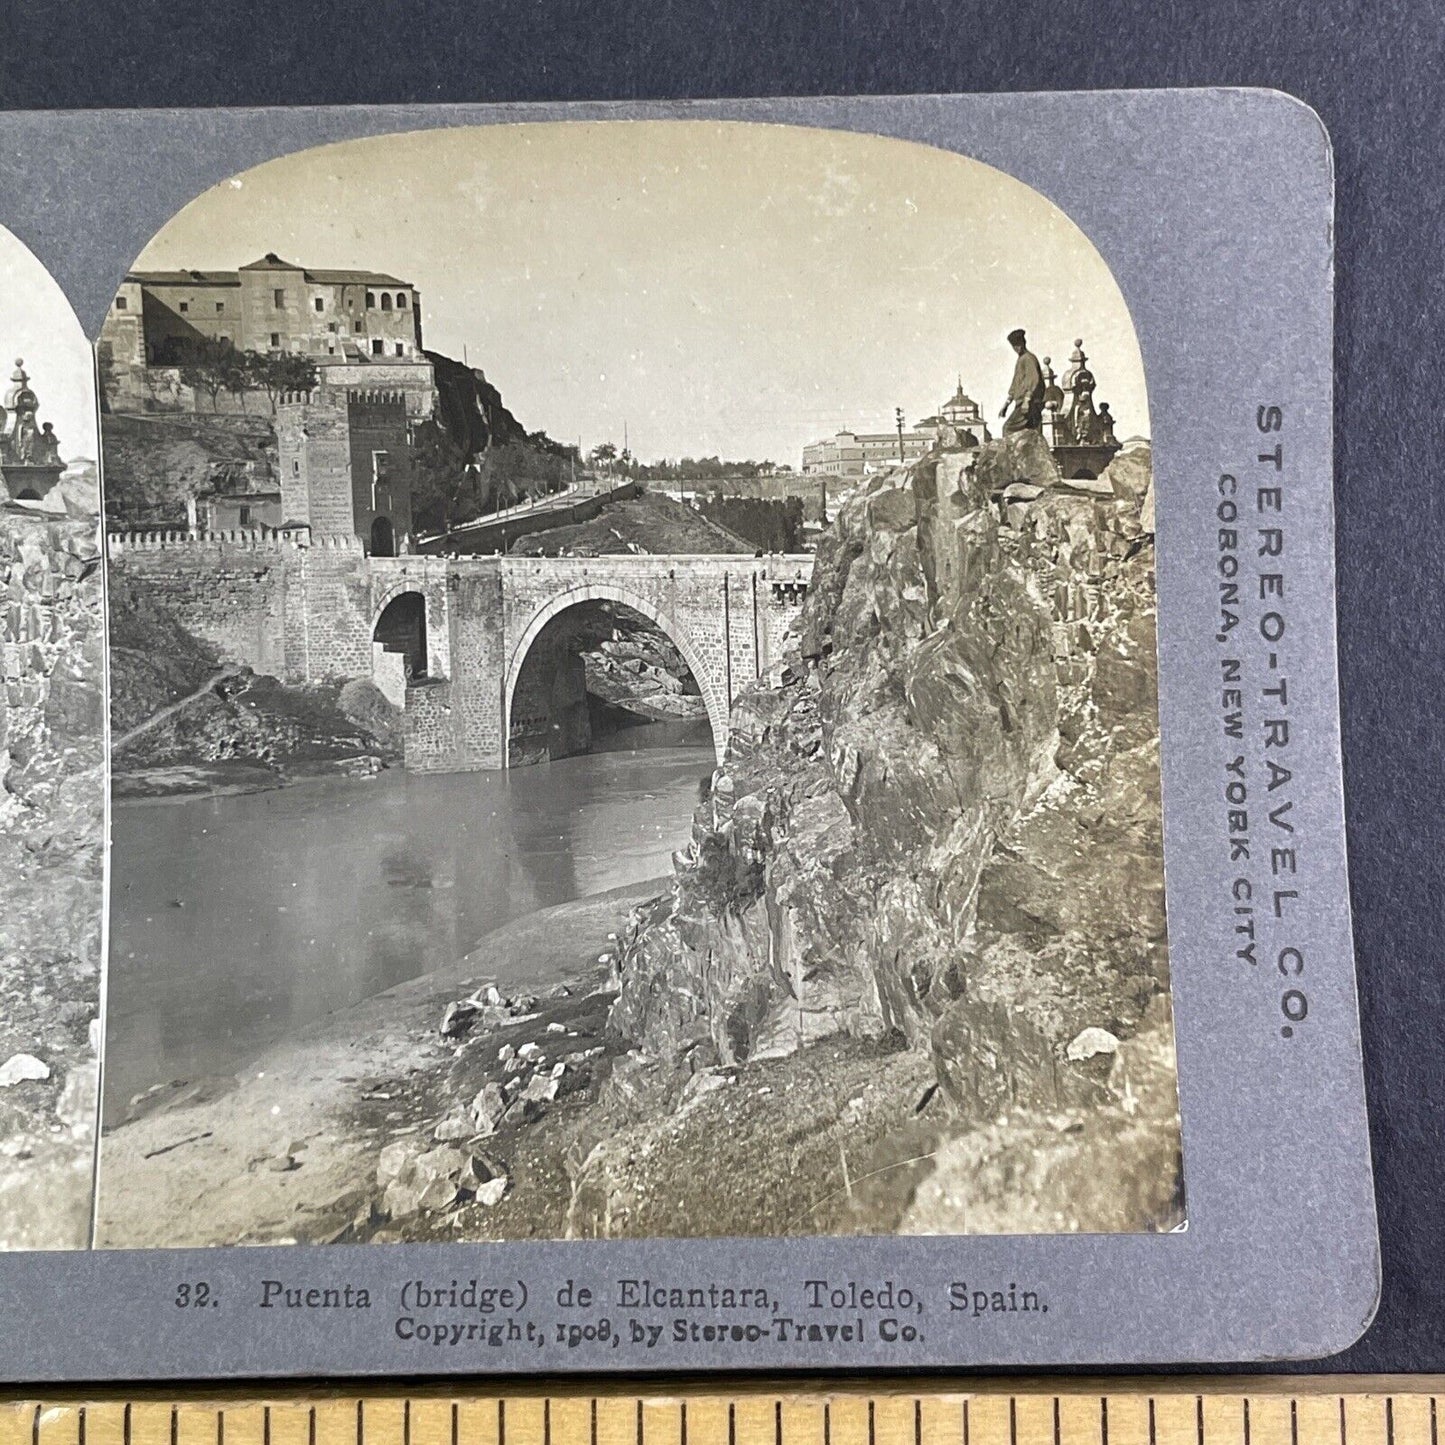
x,y
651,566
727,613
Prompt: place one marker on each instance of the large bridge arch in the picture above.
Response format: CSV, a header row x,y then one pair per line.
x,y
712,688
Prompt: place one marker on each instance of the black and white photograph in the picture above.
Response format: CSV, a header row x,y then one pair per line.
x,y
52,762
633,701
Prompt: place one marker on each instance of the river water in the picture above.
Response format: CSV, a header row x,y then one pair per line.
x,y
237,919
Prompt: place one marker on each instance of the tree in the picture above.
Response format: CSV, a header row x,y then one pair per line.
x,y
445,483
278,373
603,454
213,367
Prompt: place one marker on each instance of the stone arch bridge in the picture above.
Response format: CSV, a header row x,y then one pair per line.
x,y
448,638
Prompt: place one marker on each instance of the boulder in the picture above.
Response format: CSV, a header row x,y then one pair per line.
x,y
454,1128
458,1018
1089,1042
1130,475
488,1107
21,1069
541,1088
396,1159
401,1198
490,1193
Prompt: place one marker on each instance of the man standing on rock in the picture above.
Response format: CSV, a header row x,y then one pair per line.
x,y
1025,405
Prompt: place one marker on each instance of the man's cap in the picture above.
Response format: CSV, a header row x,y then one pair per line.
x,y
1016,337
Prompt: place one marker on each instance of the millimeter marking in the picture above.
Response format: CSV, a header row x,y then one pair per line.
x,y
1400,1410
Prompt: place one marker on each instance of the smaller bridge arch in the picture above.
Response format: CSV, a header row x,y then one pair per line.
x,y
399,651
599,591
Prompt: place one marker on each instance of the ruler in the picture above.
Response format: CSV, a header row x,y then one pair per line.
x,y
1339,1410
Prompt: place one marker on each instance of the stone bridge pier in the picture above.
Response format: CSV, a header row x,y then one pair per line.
x,y
450,637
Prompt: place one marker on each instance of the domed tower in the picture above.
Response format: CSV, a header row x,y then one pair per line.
x,y
1082,436
30,464
961,413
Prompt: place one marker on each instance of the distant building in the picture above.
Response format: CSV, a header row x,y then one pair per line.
x,y
852,454
344,321
230,508
1080,435
855,454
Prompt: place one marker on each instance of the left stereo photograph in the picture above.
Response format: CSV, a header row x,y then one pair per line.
x,y
52,762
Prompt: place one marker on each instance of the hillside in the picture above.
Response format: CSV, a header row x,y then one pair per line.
x,y
182,721
653,523
153,462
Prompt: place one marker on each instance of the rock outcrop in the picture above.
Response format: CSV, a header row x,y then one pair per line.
x,y
940,821
52,796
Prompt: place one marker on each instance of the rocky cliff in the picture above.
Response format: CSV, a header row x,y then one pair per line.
x,y
939,826
52,796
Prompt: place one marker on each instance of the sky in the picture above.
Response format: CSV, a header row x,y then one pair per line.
x,y
714,288
38,326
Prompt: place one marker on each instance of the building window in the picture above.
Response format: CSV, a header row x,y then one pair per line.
x,y
278,298
220,308
275,341
401,300
356,327
386,300
185,306
331,327
400,349
320,304
376,346
370,300
295,466
120,303
245,516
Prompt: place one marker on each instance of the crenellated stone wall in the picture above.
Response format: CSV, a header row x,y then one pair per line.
x,y
264,600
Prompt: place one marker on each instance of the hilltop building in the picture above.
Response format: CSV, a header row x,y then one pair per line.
x,y
30,464
1081,435
350,323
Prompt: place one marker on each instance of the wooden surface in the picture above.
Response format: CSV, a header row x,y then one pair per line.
x,y
1339,1410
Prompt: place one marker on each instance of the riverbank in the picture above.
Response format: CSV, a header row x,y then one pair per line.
x,y
301,1146
287,1151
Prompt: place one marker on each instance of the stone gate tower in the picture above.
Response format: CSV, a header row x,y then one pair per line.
x,y
344,457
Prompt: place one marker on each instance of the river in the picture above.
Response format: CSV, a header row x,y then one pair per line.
x,y
237,919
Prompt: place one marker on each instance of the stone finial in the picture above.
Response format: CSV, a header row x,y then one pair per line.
x,y
1077,361
1053,393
